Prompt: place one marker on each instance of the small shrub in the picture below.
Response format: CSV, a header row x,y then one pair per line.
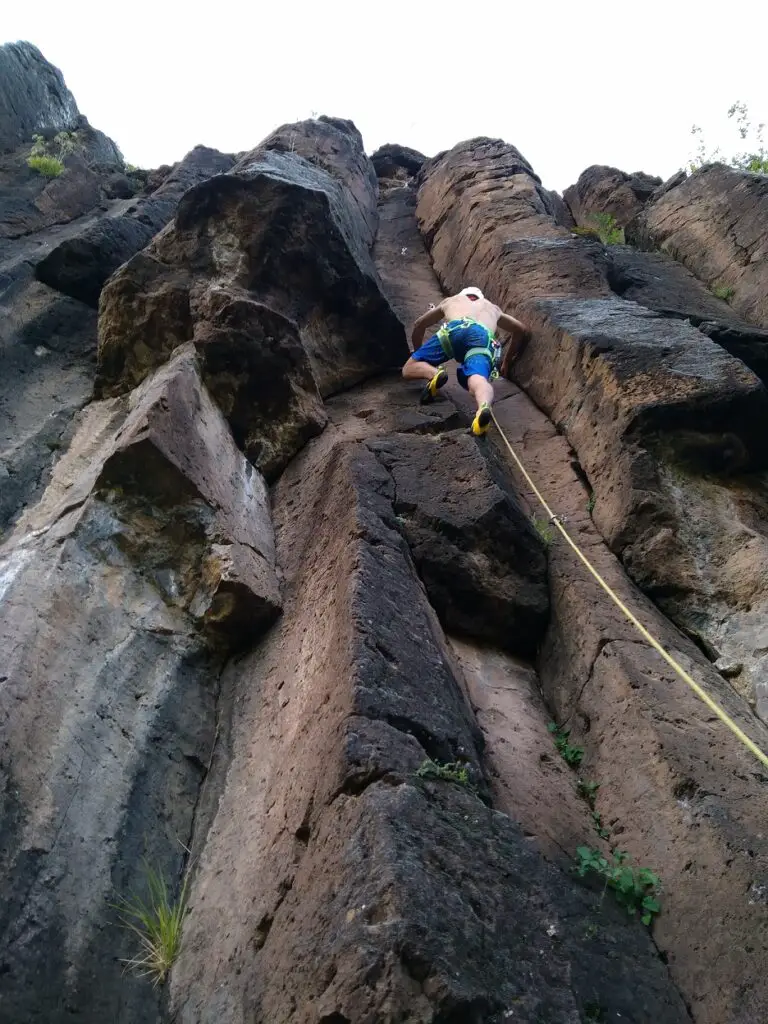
x,y
636,889
48,166
452,771
591,503
157,920
723,291
570,754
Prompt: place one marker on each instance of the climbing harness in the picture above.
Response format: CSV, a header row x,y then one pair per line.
x,y
678,668
492,348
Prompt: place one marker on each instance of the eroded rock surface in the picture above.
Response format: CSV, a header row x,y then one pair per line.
x,y
150,556
716,223
610,191
267,270
636,394
270,715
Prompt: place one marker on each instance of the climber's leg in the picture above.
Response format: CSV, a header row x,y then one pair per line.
x,y
474,375
421,366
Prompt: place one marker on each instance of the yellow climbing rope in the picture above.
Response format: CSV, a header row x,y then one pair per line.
x,y
713,705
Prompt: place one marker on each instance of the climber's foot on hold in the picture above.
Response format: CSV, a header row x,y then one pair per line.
x,y
430,390
482,420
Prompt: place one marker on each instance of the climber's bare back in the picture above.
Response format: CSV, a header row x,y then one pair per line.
x,y
457,306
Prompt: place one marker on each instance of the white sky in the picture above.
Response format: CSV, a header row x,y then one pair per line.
x,y
570,83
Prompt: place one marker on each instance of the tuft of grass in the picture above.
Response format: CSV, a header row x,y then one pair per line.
x,y
723,291
48,166
591,503
635,889
603,228
572,755
544,530
452,771
156,920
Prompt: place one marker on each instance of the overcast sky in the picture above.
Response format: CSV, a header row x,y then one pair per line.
x,y
570,84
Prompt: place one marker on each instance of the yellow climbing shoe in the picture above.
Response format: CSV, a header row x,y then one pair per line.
x,y
482,420
430,391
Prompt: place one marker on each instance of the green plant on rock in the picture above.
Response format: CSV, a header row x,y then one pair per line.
x,y
723,291
544,530
635,889
451,771
603,228
591,503
597,821
48,166
572,755
588,790
157,920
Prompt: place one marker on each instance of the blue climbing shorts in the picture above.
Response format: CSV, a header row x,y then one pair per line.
x,y
463,337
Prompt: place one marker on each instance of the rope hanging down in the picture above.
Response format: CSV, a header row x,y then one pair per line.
x,y
678,668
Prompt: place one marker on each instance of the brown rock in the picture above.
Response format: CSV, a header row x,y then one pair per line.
x,y
480,559
271,259
336,146
609,190
648,404
520,240
716,223
80,264
373,892
655,280
149,558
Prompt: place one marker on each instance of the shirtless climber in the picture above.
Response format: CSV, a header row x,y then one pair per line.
x,y
468,336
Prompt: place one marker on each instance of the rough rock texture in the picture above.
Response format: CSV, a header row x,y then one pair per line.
x,y
265,717
395,163
609,190
150,555
655,280
480,559
33,96
716,223
80,264
351,859
336,146
269,264
655,411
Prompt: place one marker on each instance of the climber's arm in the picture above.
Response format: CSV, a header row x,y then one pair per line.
x,y
520,337
432,316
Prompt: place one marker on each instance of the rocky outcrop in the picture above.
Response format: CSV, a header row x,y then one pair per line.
x,y
351,856
336,146
664,425
716,223
331,733
267,269
655,280
150,556
608,190
80,264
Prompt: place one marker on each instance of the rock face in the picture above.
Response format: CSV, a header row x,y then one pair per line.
x,y
267,269
80,264
150,555
290,640
33,96
609,190
667,428
716,223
